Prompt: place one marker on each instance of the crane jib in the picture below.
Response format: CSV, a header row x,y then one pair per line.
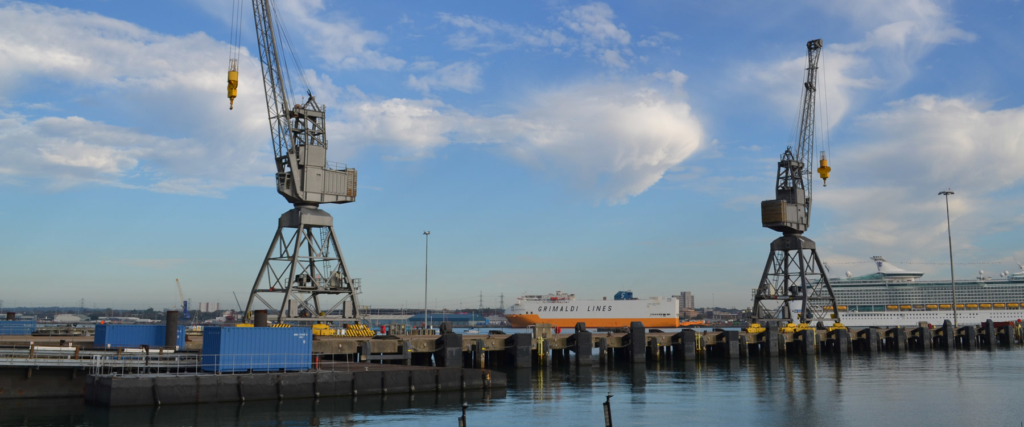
x,y
298,133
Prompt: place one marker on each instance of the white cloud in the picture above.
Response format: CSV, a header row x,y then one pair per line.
x,y
600,36
658,39
915,149
675,77
613,140
463,76
338,40
897,34
594,25
172,89
487,34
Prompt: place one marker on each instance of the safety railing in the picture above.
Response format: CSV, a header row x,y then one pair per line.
x,y
192,364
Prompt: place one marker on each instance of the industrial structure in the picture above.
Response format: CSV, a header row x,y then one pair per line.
x,y
304,276
794,279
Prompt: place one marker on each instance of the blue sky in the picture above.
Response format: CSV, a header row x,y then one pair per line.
x,y
587,147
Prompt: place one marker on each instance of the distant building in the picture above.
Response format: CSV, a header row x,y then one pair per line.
x,y
66,318
686,301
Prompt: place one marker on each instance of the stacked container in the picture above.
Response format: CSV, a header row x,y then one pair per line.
x,y
17,327
231,349
135,336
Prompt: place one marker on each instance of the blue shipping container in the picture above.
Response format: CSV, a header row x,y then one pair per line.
x,y
17,327
135,336
232,349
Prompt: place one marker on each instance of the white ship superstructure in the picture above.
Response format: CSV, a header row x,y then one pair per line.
x,y
896,297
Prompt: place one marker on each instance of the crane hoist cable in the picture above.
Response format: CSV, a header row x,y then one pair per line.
x,y
284,44
234,50
824,168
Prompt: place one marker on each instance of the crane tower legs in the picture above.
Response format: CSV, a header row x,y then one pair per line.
x,y
304,277
794,280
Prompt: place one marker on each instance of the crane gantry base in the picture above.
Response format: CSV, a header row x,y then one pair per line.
x,y
304,277
794,279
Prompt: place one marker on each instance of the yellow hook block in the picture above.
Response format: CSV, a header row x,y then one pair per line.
x,y
824,170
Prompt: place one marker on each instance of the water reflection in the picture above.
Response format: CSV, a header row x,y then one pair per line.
x,y
915,388
325,411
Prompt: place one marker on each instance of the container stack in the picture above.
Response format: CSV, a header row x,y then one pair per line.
x,y
135,336
230,349
17,327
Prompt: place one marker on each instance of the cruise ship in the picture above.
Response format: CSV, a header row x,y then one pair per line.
x,y
896,297
564,310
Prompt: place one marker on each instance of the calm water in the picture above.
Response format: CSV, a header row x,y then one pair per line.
x,y
964,388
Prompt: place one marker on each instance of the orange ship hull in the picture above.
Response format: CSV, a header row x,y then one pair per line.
x,y
525,320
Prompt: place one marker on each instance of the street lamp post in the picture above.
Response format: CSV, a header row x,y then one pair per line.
x,y
949,234
426,267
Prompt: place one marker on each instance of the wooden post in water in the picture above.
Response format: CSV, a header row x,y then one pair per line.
x,y
608,411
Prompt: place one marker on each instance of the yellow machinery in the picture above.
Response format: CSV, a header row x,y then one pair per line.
x,y
323,330
244,325
232,82
788,329
755,328
357,330
837,326
824,170
805,327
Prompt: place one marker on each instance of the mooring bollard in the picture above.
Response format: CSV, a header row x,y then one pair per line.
x,y
171,333
988,337
583,345
839,341
686,342
608,411
924,338
637,343
968,337
947,335
462,419
519,346
896,339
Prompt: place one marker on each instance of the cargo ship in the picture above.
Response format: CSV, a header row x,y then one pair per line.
x,y
564,310
893,296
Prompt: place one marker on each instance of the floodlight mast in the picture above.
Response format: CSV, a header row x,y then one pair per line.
x,y
794,273
304,265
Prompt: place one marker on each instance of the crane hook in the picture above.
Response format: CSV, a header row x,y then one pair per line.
x,y
232,82
823,170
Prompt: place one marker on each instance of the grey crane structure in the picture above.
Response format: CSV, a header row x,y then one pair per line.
x,y
794,273
304,277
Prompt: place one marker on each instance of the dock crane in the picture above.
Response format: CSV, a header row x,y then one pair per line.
x,y
794,277
184,304
303,277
